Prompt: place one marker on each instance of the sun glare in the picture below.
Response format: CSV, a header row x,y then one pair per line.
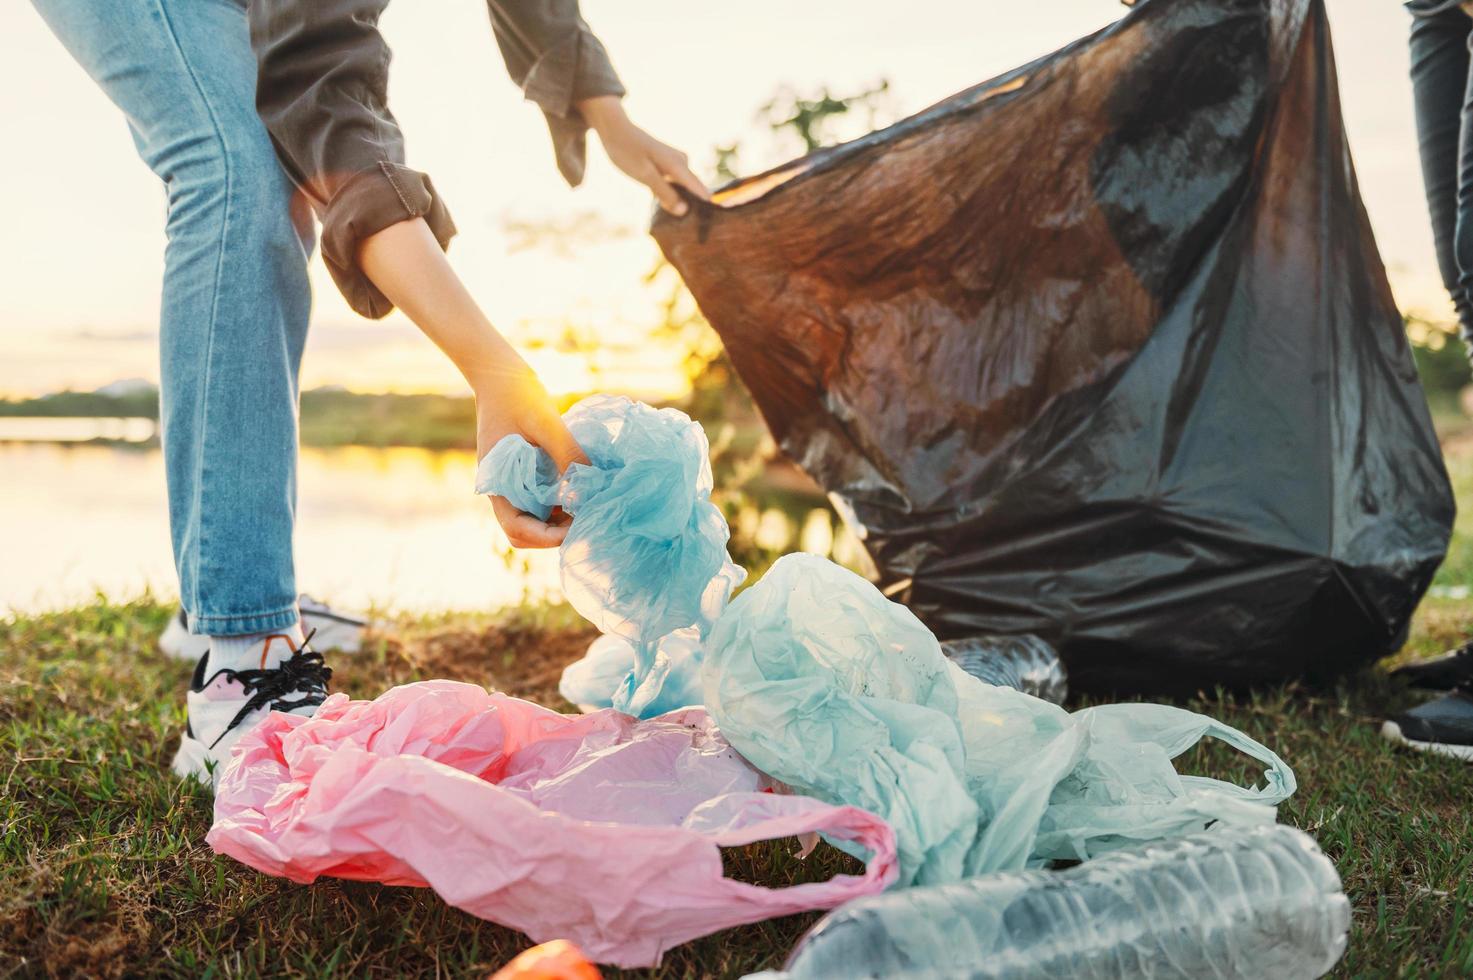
x,y
562,373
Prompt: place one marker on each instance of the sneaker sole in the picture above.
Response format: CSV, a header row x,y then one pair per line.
x,y
1392,731
192,760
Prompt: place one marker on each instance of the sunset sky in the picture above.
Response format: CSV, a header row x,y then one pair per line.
x,y
82,243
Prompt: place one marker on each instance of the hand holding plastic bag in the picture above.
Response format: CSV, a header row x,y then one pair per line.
x,y
646,552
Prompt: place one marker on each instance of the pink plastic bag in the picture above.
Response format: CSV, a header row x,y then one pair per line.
x,y
595,828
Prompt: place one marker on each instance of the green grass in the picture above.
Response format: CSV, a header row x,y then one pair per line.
x,y
103,869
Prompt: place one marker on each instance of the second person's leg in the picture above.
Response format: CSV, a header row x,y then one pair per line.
x,y
1443,87
1440,79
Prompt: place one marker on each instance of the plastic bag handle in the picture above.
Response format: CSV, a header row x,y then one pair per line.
x,y
1281,782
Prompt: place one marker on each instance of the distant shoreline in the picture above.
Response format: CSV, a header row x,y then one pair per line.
x,y
329,418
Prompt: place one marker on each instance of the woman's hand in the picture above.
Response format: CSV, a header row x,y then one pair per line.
x,y
516,402
640,155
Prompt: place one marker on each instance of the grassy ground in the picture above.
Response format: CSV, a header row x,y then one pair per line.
x,y
103,870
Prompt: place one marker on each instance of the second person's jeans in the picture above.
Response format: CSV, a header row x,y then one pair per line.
x,y
235,298
1442,88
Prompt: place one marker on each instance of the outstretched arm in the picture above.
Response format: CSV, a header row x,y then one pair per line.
x,y
406,263
322,91
640,155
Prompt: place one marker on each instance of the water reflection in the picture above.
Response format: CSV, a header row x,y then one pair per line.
x,y
392,529
398,529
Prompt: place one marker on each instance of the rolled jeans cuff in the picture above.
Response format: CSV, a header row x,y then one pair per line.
x,y
369,202
241,625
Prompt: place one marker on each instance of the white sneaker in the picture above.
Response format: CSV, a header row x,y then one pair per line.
x,y
334,631
230,703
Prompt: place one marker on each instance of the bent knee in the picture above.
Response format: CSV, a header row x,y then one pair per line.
x,y
215,182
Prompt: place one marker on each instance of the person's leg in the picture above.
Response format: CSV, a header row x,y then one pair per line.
x,y
235,309
1440,80
1463,223
235,297
1442,86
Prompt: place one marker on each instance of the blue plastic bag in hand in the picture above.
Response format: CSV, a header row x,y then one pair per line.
x,y
824,684
646,552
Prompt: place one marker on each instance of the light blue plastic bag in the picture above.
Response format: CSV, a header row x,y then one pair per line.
x,y
823,683
646,552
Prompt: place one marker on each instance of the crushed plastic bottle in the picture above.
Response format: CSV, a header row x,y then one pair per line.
x,y
1243,902
1024,663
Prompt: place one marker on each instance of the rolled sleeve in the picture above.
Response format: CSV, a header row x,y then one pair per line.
x,y
366,204
322,91
554,57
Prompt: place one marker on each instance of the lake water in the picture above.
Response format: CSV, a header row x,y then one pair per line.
x,y
396,529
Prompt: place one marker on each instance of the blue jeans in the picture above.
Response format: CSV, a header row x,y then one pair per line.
x,y
235,296
1442,88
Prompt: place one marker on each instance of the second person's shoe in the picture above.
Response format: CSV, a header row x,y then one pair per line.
x,y
1442,673
1443,726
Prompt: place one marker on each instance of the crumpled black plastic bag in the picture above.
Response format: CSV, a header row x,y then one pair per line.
x,y
1102,350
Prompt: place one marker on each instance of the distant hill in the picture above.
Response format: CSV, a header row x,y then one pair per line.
x,y
133,398
128,388
331,416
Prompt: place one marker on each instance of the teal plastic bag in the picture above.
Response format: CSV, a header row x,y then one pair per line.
x,y
824,684
645,555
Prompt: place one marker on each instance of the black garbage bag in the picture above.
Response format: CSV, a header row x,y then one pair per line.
x,y
1102,350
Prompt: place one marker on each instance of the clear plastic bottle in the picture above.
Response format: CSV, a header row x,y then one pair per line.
x,y
1023,662
1242,902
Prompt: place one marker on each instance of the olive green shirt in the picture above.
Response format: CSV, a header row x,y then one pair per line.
x,y
322,90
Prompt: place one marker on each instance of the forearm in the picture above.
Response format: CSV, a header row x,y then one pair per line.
x,y
407,264
603,112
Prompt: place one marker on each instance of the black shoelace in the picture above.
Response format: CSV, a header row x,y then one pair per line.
x,y
304,673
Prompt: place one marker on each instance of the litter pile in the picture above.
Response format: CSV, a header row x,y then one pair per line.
x,y
823,683
844,714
